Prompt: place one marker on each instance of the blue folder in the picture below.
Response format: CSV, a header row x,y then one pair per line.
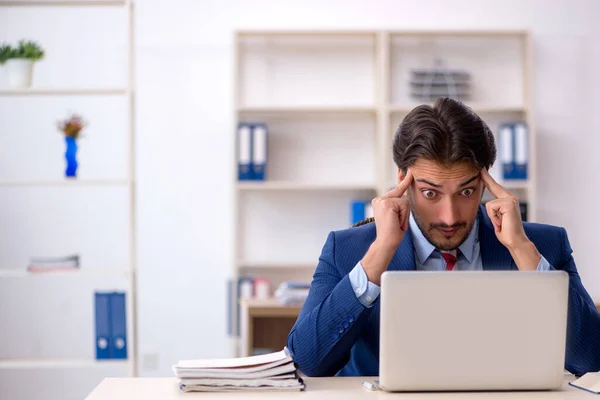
x,y
118,325
102,319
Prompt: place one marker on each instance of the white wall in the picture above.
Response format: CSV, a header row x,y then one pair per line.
x,y
185,140
184,122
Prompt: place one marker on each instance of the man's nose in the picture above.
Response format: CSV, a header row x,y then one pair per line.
x,y
448,213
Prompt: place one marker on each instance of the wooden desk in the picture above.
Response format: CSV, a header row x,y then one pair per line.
x,y
265,324
316,388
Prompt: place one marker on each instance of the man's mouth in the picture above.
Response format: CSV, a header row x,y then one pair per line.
x,y
448,232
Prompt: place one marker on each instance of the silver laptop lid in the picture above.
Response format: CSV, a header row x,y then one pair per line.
x,y
500,330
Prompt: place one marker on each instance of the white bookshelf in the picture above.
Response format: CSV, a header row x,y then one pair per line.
x,y
64,3
68,182
300,186
63,92
309,109
58,363
50,315
478,108
285,265
332,101
20,273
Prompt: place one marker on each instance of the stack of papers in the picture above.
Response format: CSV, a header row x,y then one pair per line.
x,y
427,84
47,264
274,371
292,293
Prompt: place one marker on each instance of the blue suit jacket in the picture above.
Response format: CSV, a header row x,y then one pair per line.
x,y
336,334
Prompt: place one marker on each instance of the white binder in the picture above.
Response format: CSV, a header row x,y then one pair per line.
x,y
259,151
244,152
521,150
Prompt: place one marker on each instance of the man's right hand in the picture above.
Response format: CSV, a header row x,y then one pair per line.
x,y
391,213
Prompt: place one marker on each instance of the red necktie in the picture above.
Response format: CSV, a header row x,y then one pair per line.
x,y
450,260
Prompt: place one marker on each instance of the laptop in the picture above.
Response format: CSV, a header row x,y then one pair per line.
x,y
472,330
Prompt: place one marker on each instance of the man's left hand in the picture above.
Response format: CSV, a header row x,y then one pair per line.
x,y
505,214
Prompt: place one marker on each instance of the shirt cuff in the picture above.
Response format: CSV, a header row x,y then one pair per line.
x,y
366,292
544,265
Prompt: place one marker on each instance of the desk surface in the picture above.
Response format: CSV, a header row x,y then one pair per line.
x,y
316,388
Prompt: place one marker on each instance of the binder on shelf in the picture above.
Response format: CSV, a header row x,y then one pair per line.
x,y
357,211
118,326
231,315
506,139
523,210
102,322
259,151
246,287
520,132
237,288
111,325
244,137
369,210
233,310
360,210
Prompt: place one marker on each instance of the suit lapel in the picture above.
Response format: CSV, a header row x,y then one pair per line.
x,y
494,256
404,257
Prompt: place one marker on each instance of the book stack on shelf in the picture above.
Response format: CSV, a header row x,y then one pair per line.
x,y
427,84
292,293
266,372
49,264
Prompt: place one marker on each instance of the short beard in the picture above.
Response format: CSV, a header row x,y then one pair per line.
x,y
441,246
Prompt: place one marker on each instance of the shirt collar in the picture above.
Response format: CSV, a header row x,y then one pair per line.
x,y
424,249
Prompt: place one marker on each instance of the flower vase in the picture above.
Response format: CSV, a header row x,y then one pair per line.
x,y
71,157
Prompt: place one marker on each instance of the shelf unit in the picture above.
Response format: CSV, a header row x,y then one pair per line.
x,y
60,363
306,110
478,108
87,272
265,325
69,182
117,275
64,3
332,101
293,186
64,92
275,265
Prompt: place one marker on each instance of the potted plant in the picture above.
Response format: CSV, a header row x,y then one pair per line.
x,y
19,62
5,51
71,128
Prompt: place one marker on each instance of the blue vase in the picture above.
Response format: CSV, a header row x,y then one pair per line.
x,y
71,157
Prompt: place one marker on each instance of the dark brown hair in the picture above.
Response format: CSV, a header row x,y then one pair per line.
x,y
447,133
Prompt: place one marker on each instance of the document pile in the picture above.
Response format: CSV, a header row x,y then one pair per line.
x,y
48,264
267,372
427,84
292,293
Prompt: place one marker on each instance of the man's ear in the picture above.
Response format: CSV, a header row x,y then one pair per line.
x,y
401,175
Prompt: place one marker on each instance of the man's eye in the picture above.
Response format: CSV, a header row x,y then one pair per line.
x,y
467,192
429,194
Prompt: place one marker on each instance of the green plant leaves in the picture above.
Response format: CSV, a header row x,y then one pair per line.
x,y
26,49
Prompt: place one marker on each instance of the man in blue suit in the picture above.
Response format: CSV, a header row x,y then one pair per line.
x,y
443,154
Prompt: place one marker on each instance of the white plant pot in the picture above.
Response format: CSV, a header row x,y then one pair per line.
x,y
19,72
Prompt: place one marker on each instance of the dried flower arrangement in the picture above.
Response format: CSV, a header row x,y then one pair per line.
x,y
72,126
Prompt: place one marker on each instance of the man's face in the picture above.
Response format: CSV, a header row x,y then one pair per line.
x,y
444,201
